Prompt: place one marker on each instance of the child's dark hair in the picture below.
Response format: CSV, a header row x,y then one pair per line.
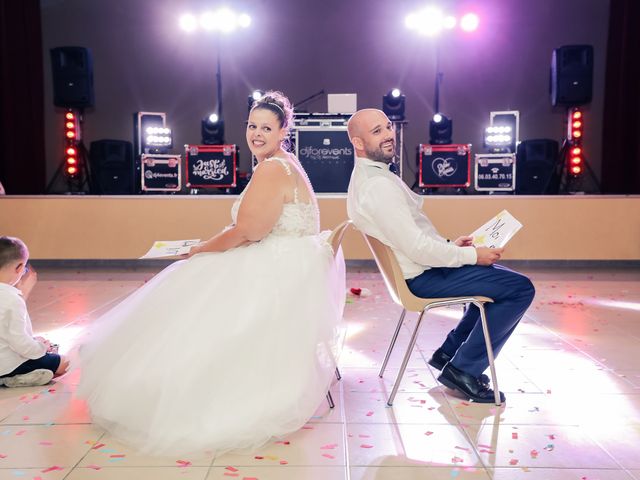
x,y
12,249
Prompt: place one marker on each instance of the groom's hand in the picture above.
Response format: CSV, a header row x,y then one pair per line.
x,y
488,256
464,241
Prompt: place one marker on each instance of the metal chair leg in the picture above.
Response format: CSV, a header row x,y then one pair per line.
x,y
405,360
338,376
487,340
393,342
330,400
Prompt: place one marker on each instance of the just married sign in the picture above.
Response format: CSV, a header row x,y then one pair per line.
x,y
497,231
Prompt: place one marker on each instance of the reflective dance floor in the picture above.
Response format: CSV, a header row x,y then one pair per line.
x,y
571,374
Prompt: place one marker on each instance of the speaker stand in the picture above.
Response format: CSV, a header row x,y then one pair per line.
x,y
74,185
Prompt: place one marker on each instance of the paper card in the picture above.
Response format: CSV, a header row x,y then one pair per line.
x,y
170,248
497,231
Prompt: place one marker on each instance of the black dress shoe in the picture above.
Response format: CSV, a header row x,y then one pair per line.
x,y
439,359
468,385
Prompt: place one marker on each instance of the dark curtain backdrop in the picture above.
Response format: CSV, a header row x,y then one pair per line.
x,y
22,150
621,125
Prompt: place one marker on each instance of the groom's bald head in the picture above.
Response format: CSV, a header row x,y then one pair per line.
x,y
372,135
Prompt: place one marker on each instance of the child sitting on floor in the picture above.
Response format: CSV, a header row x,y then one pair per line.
x,y
25,360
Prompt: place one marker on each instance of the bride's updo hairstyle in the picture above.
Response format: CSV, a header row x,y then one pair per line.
x,y
277,103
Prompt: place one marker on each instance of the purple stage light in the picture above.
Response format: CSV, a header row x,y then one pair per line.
x,y
188,22
469,22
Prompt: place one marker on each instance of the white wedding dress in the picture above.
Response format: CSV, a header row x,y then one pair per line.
x,y
222,351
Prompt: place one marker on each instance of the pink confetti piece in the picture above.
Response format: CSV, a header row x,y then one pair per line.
x,y
514,435
534,453
96,447
484,446
51,469
513,461
284,442
183,463
21,432
249,478
328,455
118,455
551,437
46,444
428,433
484,450
258,457
2,455
463,448
25,418
231,474
231,469
369,413
457,460
95,467
283,462
307,427
329,446
364,435
366,445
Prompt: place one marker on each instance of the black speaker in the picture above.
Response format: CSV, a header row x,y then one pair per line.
x,y
571,75
112,169
536,167
72,69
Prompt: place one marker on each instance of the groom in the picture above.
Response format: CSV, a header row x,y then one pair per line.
x,y
382,206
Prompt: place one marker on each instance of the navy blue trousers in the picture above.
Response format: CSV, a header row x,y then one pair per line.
x,y
511,291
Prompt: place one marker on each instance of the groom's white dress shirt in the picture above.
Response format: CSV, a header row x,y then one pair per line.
x,y
381,205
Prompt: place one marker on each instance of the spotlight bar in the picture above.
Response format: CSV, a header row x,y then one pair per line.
x,y
430,21
222,20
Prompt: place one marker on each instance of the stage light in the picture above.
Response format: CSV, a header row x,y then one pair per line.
x,y
428,22
221,20
70,116
212,130
188,22
498,138
255,96
393,105
575,127
469,22
71,170
71,151
244,20
71,134
440,130
158,139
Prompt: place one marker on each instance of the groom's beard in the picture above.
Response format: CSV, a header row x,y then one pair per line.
x,y
378,155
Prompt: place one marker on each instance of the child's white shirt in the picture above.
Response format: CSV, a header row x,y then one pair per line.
x,y
16,333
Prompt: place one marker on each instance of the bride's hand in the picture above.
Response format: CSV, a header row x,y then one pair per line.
x,y
197,248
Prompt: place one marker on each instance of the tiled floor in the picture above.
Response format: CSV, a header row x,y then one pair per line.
x,y
571,373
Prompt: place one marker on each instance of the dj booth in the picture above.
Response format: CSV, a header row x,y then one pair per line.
x,y
321,143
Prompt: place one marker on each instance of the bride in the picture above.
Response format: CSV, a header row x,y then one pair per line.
x,y
236,344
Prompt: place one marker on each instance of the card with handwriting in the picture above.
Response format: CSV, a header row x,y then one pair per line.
x,y
170,248
497,231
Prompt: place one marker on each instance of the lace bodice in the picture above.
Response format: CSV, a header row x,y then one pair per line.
x,y
297,219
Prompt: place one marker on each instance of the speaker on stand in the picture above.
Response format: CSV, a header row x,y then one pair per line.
x,y
72,74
